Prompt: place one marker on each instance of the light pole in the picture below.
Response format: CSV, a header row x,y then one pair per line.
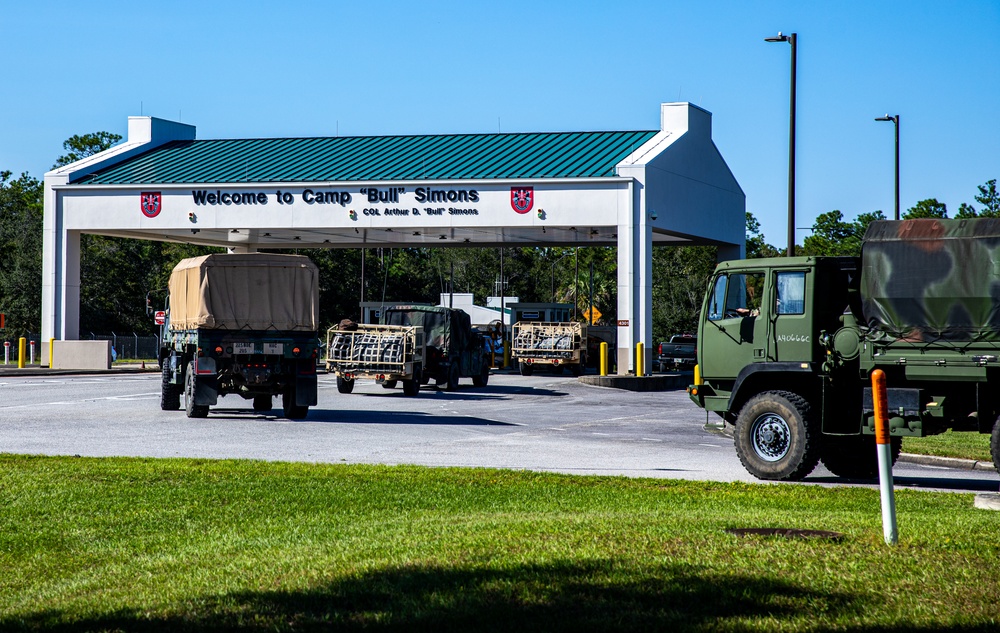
x,y
791,39
895,120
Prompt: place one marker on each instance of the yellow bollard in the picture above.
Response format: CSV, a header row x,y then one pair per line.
x,y
640,366
51,341
21,344
604,359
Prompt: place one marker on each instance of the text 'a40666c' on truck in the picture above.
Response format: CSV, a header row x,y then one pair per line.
x,y
243,324
787,346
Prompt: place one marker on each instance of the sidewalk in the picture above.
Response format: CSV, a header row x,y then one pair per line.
x,y
43,370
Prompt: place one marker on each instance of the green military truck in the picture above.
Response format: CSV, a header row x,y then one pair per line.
x,y
243,324
787,346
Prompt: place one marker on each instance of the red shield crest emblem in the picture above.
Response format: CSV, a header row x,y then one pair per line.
x,y
522,198
151,203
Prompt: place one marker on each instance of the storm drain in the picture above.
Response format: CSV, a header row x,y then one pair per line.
x,y
788,533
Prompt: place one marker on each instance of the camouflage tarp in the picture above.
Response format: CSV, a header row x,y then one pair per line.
x,y
446,329
930,279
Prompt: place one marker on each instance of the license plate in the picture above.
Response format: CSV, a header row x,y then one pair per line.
x,y
243,348
274,348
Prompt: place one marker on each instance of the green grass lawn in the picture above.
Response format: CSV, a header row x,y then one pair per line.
x,y
174,545
965,445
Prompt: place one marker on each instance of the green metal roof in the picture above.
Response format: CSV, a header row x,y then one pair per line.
x,y
375,158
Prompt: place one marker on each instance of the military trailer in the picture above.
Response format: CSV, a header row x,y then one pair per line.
x,y
553,345
387,354
454,349
243,324
787,346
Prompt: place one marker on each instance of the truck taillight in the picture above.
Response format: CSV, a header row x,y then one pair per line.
x,y
218,350
296,351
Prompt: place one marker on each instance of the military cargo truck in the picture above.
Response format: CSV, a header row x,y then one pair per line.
x,y
787,346
243,324
553,345
454,349
386,354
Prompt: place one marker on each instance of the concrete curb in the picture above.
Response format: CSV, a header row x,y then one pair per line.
x,y
659,382
13,371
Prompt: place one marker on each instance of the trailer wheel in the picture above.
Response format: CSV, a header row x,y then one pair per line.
x,y
995,444
777,437
262,403
854,456
453,375
170,394
526,369
344,385
292,411
389,384
411,387
193,410
484,375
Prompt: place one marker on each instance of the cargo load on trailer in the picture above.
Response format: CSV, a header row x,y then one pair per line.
x,y
386,354
243,324
787,346
547,344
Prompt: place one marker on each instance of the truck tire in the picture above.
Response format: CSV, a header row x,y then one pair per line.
x,y
484,375
453,375
293,411
526,369
170,395
995,445
344,385
193,410
262,403
389,384
854,456
777,437
411,387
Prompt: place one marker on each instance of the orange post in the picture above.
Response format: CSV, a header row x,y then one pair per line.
x,y
880,403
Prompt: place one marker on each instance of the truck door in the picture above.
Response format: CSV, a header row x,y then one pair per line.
x,y
792,337
733,332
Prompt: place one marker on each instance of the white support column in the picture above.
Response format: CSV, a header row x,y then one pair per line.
x,y
629,278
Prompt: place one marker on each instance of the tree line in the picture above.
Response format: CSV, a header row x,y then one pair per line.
x,y
117,274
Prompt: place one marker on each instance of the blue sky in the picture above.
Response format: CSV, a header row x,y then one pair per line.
x,y
264,69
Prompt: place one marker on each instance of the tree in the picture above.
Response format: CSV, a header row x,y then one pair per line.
x,y
80,147
988,197
832,235
929,208
756,244
21,245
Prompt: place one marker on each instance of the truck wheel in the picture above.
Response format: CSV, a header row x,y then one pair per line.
x,y
854,456
389,384
170,395
526,369
344,385
411,387
193,410
995,444
777,436
262,403
453,374
484,376
292,411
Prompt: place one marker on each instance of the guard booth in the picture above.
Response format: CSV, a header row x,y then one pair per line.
x,y
541,312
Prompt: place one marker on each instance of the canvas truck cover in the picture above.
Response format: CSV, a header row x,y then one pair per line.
x,y
254,291
445,328
931,279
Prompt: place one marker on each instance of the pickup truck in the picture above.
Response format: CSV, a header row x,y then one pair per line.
x,y
679,354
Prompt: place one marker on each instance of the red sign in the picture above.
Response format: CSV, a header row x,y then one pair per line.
x,y
151,203
522,198
622,322
160,317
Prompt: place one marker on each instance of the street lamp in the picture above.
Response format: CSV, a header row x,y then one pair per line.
x,y
791,39
895,120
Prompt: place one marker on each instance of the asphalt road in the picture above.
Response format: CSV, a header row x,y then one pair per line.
x,y
542,422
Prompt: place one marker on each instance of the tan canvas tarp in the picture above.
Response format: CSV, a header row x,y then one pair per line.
x,y
256,291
